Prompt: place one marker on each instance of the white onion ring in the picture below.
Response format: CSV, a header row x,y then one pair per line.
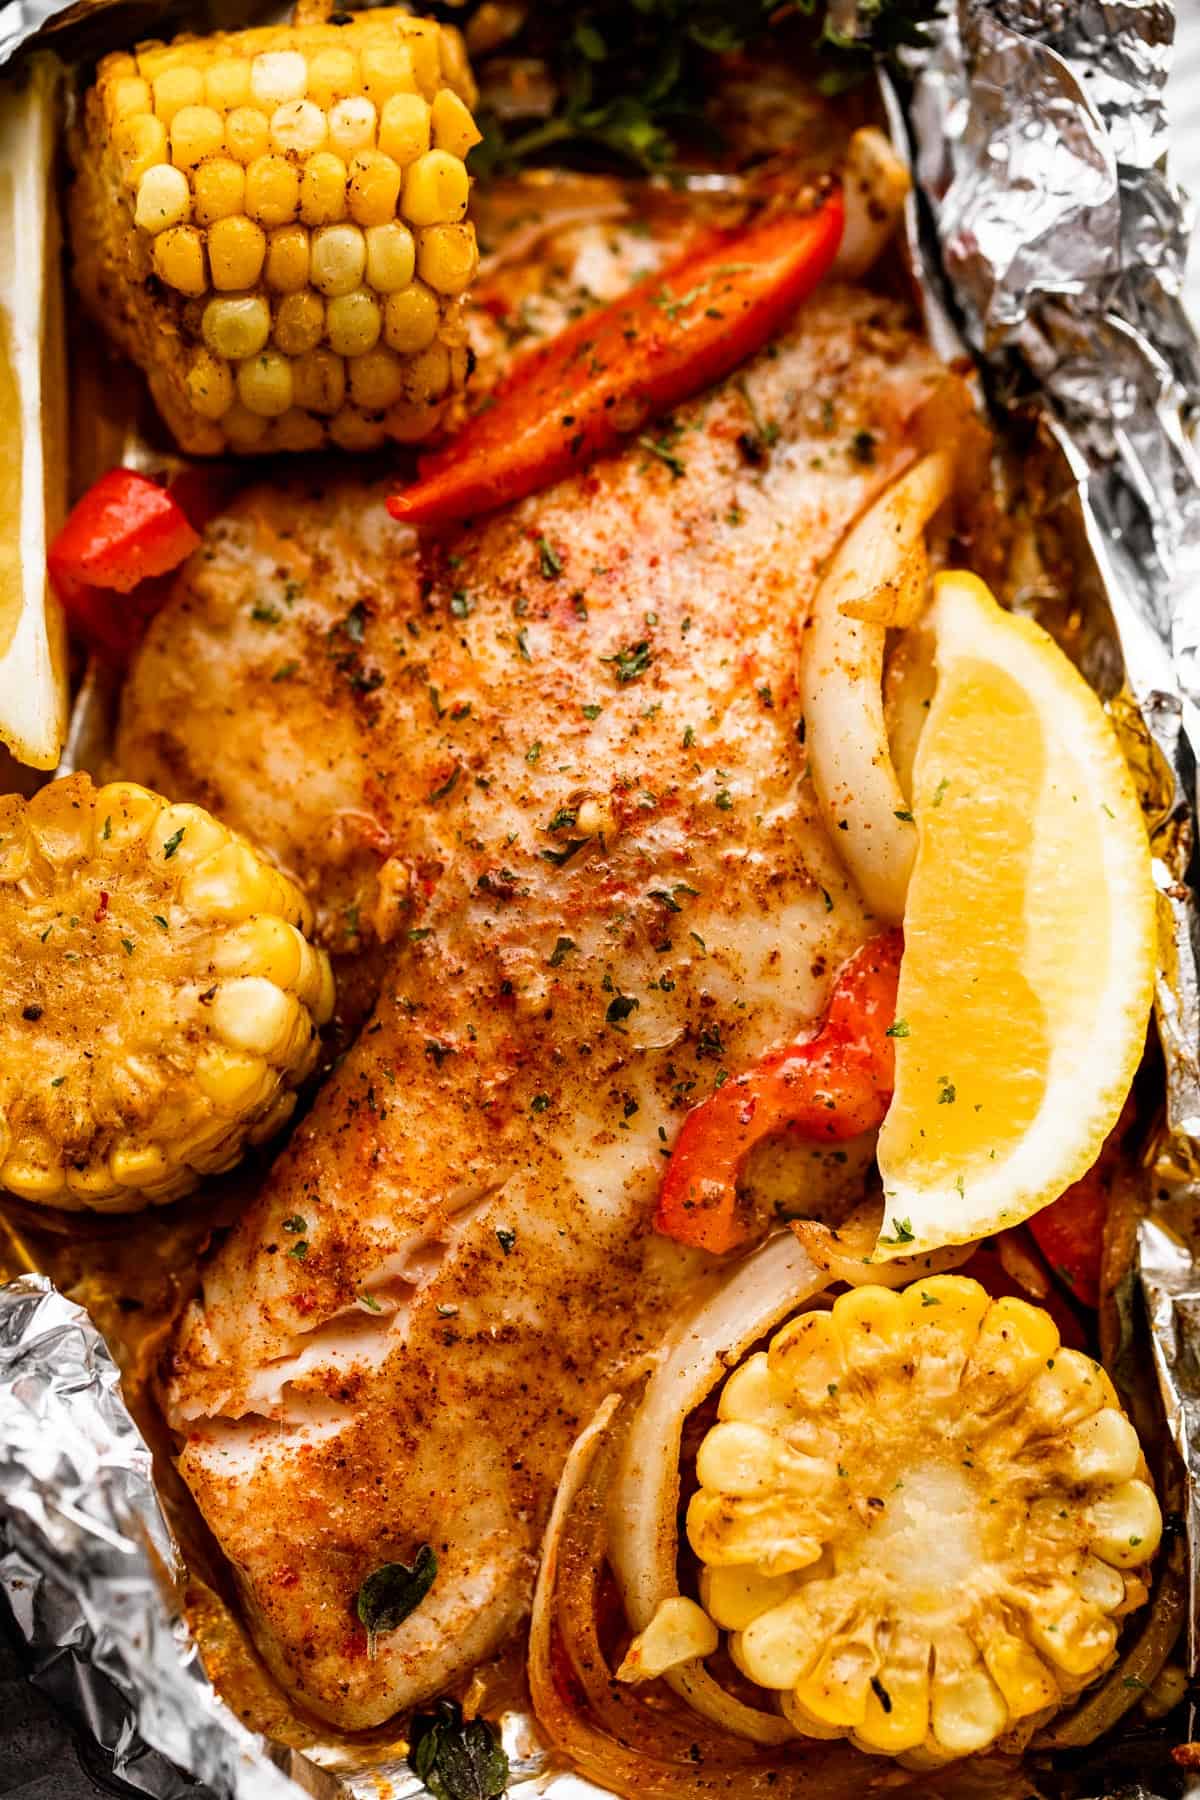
x,y
842,691
875,184
643,1539
845,1254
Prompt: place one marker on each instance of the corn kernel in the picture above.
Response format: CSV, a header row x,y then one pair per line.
x,y
428,375
274,1119
297,431
319,381
456,69
227,83
185,834
92,1186
128,812
387,69
352,430
411,319
374,187
245,431
352,323
436,189
232,1081
376,379
139,1165
338,258
735,1597
332,76
26,1175
323,189
264,384
447,257
235,329
140,144
408,423
423,38
404,127
264,946
210,386
236,247
1103,1448
251,1013
272,190
299,126
163,198
177,88
247,134
454,130
179,260
196,132
352,126
218,189
277,76
116,64
1126,1525
391,257
299,323
127,97
287,259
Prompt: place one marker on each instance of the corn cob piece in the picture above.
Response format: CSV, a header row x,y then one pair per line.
x,y
272,223
159,1001
920,1519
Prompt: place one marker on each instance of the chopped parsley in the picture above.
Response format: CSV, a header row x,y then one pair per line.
x,y
631,663
173,842
902,1233
549,560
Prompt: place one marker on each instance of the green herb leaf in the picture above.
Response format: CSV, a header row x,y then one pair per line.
x,y
392,1592
620,1008
457,1761
631,663
549,560
899,1029
902,1233
561,951
172,843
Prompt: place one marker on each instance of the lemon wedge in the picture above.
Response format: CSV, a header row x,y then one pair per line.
x,y
33,438
1029,935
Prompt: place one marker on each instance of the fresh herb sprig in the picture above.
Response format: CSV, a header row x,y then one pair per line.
x,y
457,1761
632,76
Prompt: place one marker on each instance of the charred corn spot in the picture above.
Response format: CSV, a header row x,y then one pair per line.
x,y
159,1001
920,1519
283,168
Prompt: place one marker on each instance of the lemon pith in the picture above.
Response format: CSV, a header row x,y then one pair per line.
x,y
921,1519
1029,935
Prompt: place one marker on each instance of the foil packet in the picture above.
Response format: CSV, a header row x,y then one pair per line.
x,y
1045,237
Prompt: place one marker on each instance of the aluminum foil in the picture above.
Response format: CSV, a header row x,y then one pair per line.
x,y
1054,243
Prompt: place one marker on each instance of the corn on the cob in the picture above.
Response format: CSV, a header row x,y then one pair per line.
x,y
159,1001
247,201
920,1518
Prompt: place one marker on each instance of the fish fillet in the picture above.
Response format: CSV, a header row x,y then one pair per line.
x,y
576,729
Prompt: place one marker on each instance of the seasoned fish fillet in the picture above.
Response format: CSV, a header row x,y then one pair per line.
x,y
576,725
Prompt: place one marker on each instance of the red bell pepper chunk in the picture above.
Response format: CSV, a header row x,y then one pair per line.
x,y
1070,1235
825,1089
674,334
125,533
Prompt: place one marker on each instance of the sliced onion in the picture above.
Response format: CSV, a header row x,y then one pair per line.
x,y
644,1544
632,1746
845,1254
842,684
875,183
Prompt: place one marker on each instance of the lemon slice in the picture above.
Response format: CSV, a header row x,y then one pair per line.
x,y
33,455
1029,935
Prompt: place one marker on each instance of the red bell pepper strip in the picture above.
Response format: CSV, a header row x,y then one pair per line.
x,y
827,1088
125,532
1070,1235
674,334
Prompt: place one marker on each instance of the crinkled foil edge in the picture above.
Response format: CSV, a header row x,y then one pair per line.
x,y
1049,240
